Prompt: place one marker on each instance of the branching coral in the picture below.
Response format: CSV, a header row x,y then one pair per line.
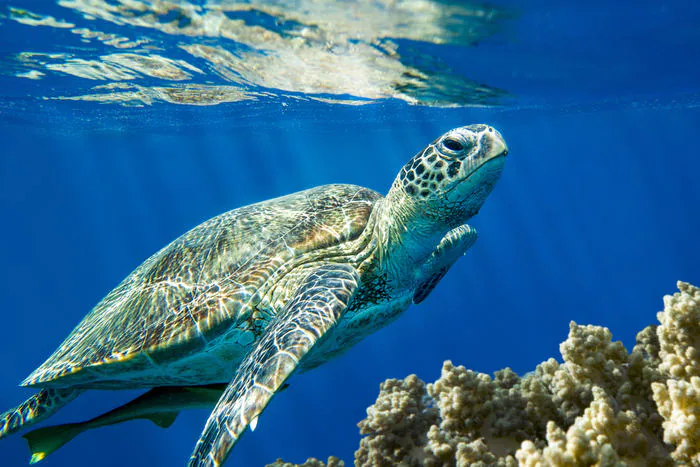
x,y
601,406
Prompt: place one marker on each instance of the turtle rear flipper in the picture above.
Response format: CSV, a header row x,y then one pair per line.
x,y
315,308
35,409
160,405
44,441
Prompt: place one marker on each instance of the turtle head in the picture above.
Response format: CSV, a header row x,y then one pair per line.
x,y
450,179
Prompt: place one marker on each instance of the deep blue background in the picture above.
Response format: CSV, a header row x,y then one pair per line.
x,y
594,219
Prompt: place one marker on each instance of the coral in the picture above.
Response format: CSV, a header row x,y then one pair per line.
x,y
310,462
396,424
679,405
679,333
601,436
601,407
678,397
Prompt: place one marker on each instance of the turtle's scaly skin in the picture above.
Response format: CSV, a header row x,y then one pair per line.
x,y
258,293
35,409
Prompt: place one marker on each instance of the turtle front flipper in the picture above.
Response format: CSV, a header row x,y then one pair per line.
x,y
35,409
314,309
453,245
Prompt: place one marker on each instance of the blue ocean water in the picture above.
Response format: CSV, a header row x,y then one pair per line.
x,y
594,219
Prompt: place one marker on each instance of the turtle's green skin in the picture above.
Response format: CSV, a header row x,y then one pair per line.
x,y
255,294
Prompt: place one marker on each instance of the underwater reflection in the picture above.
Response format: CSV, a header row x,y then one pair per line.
x,y
349,52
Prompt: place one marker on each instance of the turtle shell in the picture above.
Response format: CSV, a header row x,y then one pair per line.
x,y
206,281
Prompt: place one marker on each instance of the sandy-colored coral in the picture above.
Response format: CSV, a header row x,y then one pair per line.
x,y
679,333
601,436
679,405
601,407
396,425
678,397
310,462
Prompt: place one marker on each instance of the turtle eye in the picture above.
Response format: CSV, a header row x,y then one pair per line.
x,y
452,144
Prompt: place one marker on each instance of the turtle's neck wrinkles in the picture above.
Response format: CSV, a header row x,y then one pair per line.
x,y
407,235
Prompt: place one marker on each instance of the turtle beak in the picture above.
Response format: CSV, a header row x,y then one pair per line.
x,y
497,146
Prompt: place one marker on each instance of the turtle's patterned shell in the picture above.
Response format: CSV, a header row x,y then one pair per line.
x,y
207,280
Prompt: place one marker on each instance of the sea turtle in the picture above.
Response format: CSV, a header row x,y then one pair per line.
x,y
255,294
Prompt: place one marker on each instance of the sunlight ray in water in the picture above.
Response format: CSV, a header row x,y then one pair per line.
x,y
340,52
